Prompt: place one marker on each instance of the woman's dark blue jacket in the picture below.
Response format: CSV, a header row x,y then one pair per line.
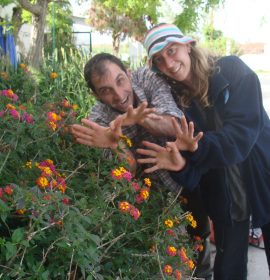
x,y
243,139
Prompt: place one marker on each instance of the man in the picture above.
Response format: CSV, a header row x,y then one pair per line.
x,y
121,107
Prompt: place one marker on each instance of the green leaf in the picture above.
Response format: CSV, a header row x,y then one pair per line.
x,y
11,250
17,235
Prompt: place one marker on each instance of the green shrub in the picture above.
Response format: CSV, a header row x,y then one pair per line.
x,y
65,212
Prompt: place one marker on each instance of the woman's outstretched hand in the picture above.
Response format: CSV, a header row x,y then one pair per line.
x,y
168,157
185,140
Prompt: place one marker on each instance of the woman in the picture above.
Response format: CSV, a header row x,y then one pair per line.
x,y
231,162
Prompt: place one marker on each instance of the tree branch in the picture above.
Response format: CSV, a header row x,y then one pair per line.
x,y
35,9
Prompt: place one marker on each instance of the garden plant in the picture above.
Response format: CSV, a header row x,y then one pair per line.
x,y
65,211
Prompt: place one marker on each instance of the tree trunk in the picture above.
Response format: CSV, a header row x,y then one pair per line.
x,y
37,38
116,42
39,12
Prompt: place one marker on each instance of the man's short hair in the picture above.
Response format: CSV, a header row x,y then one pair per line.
x,y
97,66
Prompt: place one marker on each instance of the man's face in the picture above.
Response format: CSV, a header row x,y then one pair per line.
x,y
114,87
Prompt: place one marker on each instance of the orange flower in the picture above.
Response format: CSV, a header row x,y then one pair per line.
x,y
42,182
177,274
20,211
191,264
22,65
53,75
144,194
168,269
124,206
171,251
10,107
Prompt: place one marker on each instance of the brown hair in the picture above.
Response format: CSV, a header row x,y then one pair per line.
x,y
202,67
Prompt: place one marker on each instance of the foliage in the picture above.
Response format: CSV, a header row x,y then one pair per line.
x,y
61,204
192,12
217,42
123,18
60,23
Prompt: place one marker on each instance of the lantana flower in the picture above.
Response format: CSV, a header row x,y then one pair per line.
x,y
53,75
147,182
168,270
171,251
169,223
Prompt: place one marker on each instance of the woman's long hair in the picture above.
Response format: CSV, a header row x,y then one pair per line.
x,y
202,67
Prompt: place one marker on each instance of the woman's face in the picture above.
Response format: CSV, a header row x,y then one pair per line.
x,y
174,61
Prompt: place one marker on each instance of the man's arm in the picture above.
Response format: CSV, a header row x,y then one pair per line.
x,y
94,135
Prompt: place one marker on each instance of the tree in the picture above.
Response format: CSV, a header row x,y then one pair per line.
x,y
39,11
130,18
123,18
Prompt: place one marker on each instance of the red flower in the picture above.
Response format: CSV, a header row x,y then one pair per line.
x,y
9,190
66,201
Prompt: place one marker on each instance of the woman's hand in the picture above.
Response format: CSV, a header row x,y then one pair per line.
x,y
185,140
167,158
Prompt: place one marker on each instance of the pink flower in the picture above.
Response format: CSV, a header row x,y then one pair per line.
x,y
127,175
27,118
15,97
135,186
138,199
135,213
14,113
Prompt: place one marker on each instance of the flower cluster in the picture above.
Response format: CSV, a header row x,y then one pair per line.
x,y
24,68
53,75
179,258
49,178
4,75
60,113
141,193
16,112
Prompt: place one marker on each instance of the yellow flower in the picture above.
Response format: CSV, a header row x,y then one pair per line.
x,y
124,206
144,194
168,223
52,125
193,223
189,217
10,107
22,65
75,107
191,264
20,211
147,182
28,164
53,75
4,75
42,182
126,139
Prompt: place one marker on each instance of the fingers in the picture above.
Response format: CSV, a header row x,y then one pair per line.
x,y
176,126
172,147
198,137
151,169
147,160
145,152
184,125
153,146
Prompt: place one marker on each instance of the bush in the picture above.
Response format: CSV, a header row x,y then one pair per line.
x,y
65,212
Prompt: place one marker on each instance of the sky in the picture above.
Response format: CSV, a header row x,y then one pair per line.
x,y
242,20
245,20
